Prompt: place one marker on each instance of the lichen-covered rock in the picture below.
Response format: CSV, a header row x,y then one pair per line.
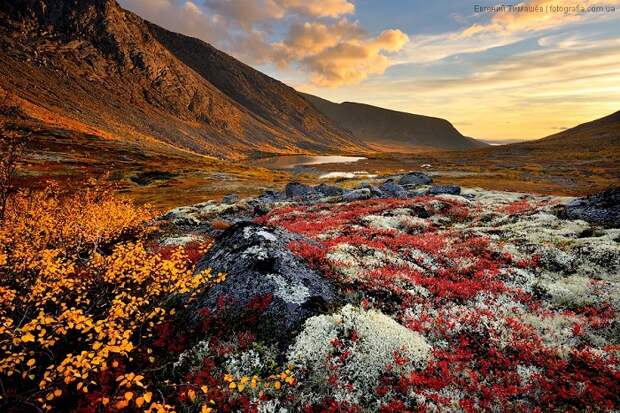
x,y
445,189
261,268
198,214
602,208
298,190
329,190
415,178
230,199
393,190
358,346
269,196
356,195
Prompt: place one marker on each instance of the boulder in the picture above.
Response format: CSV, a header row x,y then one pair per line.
x,y
415,178
270,196
357,194
230,199
298,190
261,268
391,189
445,189
602,208
329,190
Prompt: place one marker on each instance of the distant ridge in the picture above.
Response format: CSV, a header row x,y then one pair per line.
x,y
605,130
388,129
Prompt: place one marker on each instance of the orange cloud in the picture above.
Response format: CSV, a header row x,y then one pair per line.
x,y
319,8
333,52
311,38
353,61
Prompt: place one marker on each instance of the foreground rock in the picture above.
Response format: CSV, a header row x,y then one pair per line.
x,y
262,271
601,208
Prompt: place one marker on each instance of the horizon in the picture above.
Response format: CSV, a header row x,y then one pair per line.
x,y
497,74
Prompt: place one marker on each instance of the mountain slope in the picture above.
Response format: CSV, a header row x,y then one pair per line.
x,y
605,130
94,66
390,129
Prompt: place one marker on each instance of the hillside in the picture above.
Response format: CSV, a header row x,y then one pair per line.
x,y
605,130
95,67
389,129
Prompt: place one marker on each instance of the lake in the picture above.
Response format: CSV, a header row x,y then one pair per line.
x,y
290,162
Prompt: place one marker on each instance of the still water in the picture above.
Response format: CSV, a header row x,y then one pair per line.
x,y
289,162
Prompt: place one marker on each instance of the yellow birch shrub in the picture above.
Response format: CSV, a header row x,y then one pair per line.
x,y
80,296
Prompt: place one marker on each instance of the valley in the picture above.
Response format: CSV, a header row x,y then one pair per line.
x,y
183,233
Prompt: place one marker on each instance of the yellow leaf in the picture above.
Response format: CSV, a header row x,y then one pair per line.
x,y
191,394
147,396
31,362
128,395
204,389
27,337
277,385
139,401
57,392
205,409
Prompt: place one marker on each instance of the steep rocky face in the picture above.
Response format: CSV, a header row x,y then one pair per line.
x,y
97,64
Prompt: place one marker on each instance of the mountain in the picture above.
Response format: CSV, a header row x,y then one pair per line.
x,y
90,65
603,131
388,129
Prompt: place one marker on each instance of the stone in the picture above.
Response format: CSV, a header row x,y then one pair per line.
x,y
393,190
329,190
415,178
260,266
602,208
445,189
356,195
230,199
298,190
269,196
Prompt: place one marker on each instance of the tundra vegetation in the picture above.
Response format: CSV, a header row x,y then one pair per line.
x,y
483,301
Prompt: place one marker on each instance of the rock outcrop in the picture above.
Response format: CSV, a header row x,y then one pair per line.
x,y
415,178
601,208
261,268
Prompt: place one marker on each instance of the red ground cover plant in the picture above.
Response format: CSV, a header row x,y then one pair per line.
x,y
497,345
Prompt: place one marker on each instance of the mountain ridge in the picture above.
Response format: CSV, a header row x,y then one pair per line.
x,y
95,63
379,126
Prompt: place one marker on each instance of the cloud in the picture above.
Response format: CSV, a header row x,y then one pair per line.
x,y
536,15
352,60
319,40
247,13
518,97
311,38
337,54
506,27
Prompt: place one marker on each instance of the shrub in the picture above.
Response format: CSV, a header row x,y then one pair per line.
x,y
84,302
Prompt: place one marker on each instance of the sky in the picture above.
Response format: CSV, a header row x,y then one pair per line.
x,y
496,72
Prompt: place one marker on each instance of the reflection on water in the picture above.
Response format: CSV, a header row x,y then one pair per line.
x,y
289,162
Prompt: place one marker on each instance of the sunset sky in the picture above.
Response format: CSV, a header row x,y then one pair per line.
x,y
495,74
